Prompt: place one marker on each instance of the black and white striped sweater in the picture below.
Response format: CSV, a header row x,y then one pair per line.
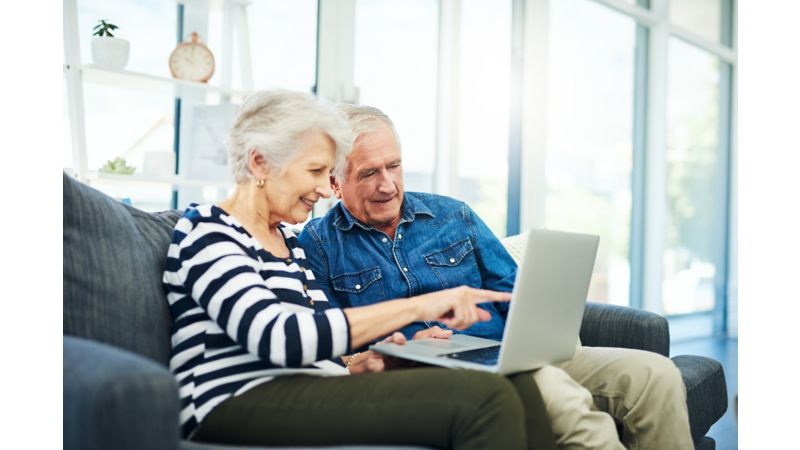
x,y
241,316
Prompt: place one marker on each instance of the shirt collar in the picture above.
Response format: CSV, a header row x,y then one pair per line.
x,y
410,208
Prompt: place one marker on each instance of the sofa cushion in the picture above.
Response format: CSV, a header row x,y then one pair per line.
x,y
114,399
706,391
113,261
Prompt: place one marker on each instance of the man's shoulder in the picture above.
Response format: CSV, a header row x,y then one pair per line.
x,y
436,201
323,225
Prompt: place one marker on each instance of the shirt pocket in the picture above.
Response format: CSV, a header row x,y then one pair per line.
x,y
455,265
359,288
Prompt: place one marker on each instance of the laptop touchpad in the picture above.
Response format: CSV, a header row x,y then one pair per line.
x,y
439,344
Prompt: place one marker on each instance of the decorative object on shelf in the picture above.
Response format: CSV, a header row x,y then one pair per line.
x,y
159,164
117,166
205,156
108,51
192,61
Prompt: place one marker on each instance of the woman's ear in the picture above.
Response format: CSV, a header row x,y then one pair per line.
x,y
257,164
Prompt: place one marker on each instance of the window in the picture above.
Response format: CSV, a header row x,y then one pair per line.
x,y
693,152
703,17
589,135
483,116
395,70
283,40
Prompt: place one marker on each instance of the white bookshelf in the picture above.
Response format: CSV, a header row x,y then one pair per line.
x,y
79,73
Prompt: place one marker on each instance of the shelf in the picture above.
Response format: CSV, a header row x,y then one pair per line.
x,y
152,83
216,5
175,181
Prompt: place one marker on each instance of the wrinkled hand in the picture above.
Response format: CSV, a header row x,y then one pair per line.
x,y
370,361
457,307
434,332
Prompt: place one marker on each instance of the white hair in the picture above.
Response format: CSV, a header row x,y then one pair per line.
x,y
271,122
364,119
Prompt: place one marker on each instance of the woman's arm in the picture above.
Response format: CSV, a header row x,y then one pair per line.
x,y
455,307
218,279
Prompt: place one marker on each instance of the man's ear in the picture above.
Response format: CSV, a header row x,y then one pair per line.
x,y
257,164
337,191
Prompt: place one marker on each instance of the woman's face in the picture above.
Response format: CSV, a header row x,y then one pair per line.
x,y
293,190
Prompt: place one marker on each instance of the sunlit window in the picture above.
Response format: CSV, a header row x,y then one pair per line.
x,y
589,135
395,70
283,40
703,17
692,180
483,116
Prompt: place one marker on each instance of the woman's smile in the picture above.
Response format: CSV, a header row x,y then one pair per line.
x,y
308,203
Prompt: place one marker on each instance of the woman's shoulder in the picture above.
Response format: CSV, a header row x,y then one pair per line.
x,y
208,213
202,212
202,218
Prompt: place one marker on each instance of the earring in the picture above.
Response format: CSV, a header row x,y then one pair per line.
x,y
260,184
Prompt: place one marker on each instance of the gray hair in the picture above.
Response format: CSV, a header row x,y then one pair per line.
x,y
365,119
271,123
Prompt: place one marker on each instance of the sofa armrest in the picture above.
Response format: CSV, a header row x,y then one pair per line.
x,y
607,325
116,399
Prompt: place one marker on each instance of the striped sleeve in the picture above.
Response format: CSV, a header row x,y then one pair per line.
x,y
220,276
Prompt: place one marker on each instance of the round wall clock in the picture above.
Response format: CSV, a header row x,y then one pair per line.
x,y
192,61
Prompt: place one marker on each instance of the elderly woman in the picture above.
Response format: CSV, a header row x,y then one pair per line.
x,y
253,334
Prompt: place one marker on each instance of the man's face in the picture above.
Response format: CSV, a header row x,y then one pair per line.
x,y
373,189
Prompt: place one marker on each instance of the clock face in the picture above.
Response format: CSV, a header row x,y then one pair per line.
x,y
191,61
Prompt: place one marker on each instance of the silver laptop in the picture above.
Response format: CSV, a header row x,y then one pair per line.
x,y
544,316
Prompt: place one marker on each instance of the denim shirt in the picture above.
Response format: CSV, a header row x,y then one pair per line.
x,y
439,243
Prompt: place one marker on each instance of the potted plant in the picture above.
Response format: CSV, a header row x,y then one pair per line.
x,y
108,51
117,166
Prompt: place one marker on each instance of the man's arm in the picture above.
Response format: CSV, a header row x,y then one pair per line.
x,y
497,268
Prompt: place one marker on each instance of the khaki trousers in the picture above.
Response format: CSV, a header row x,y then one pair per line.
x,y
641,390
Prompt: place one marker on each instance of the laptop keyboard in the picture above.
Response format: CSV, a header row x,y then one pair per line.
x,y
487,356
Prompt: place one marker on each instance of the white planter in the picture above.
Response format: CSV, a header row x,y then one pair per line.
x,y
110,52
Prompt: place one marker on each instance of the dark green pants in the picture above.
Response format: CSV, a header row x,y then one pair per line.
x,y
441,408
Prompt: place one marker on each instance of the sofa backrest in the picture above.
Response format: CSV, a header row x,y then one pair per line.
x,y
113,262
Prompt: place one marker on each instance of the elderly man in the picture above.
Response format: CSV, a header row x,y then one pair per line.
x,y
380,243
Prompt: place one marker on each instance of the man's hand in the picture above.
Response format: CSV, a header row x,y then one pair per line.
x,y
434,332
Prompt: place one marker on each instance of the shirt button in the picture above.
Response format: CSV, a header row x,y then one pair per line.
x,y
384,240
400,236
288,260
452,260
405,269
358,286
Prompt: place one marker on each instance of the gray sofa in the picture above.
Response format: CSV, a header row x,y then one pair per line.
x,y
118,392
